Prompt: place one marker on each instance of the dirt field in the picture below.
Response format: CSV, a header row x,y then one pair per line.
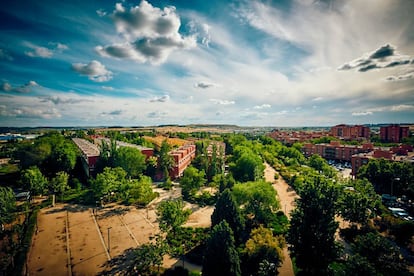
x,y
73,239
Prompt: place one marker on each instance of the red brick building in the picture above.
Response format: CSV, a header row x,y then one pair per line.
x,y
335,151
393,133
347,132
182,159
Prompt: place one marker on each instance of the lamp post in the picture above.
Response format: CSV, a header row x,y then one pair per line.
x,y
109,240
392,184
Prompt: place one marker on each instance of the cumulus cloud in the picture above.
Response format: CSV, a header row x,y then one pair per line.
x,y
263,106
201,31
43,52
401,77
383,57
95,70
364,113
114,112
156,114
161,99
25,88
222,102
203,85
4,54
150,34
101,12
30,112
60,100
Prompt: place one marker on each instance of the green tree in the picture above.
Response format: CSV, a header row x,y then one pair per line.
x,y
33,180
260,247
259,202
248,167
312,227
131,160
381,254
227,209
171,215
149,257
110,180
224,181
165,159
59,184
139,191
360,203
192,181
7,205
221,257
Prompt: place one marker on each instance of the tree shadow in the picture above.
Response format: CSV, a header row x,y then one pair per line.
x,y
117,211
121,265
72,208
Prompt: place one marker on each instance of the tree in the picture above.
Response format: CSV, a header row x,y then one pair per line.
x,y
192,181
7,205
228,210
380,253
139,192
263,247
357,205
171,215
148,256
110,180
33,180
259,201
312,227
221,257
131,160
248,167
59,183
166,160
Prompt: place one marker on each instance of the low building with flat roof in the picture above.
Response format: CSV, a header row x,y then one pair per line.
x,y
90,154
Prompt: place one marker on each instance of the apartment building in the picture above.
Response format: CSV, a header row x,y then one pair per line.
x,y
403,153
291,137
182,159
347,132
90,154
335,150
393,133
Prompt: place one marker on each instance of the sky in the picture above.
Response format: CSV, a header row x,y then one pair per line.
x,y
249,63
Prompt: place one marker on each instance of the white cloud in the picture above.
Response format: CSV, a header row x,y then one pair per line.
x,y
161,99
25,88
222,102
43,52
364,113
204,85
263,106
150,34
109,88
95,70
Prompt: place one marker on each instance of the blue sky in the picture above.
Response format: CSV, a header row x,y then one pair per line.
x,y
250,63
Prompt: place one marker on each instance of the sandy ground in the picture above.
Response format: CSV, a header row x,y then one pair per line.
x,y
287,198
78,240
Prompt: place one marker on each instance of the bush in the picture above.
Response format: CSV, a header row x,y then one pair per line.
x,y
403,232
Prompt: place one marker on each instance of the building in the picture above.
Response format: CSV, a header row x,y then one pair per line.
x,y
148,152
182,159
393,133
403,153
90,154
335,150
347,132
291,137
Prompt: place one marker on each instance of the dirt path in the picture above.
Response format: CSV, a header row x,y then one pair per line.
x,y
287,198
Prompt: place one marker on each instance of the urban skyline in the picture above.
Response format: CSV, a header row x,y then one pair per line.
x,y
248,63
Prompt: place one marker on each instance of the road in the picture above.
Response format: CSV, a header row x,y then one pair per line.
x,y
287,198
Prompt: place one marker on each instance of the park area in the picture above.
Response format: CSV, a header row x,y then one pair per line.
x,y
79,240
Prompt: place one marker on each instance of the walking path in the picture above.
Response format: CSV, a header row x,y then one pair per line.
x,y
287,198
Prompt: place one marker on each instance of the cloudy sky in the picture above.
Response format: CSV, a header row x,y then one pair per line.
x,y
250,63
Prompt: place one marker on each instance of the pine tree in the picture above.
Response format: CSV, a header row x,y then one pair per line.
x,y
221,257
227,209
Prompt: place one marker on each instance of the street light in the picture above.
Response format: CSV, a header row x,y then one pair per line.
x,y
109,241
392,184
